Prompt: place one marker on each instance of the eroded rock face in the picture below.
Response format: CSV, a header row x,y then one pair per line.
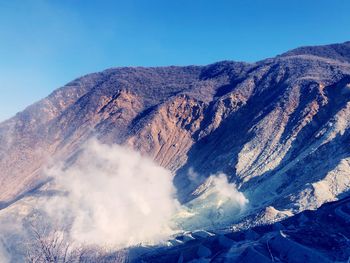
x,y
279,128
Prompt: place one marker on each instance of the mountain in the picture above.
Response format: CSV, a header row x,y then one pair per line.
x,y
278,128
336,51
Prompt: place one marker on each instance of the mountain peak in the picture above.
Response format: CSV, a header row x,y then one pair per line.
x,y
339,52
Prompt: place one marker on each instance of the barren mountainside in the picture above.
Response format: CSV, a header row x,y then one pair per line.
x,y
278,128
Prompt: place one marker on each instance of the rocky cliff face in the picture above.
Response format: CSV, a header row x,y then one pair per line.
x,y
279,128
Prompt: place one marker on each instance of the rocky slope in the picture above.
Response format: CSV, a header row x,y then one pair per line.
x,y
311,236
278,128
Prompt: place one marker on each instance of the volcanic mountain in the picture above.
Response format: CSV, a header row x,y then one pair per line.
x,y
278,128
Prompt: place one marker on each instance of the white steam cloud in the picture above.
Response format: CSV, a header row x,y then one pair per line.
x,y
115,197
217,205
4,254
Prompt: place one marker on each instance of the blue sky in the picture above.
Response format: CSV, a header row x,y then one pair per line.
x,y
45,44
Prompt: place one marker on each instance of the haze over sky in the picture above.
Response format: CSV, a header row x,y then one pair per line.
x,y
45,44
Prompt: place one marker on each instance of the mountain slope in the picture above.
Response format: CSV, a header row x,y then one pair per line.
x,y
278,128
311,236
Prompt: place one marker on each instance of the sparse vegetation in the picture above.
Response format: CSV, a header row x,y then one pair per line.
x,y
52,245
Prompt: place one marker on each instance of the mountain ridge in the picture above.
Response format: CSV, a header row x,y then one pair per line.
x,y
335,51
267,125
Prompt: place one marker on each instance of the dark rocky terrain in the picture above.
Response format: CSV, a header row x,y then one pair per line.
x,y
278,128
310,236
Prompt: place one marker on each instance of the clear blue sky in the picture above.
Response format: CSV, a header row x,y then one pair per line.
x,y
45,44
